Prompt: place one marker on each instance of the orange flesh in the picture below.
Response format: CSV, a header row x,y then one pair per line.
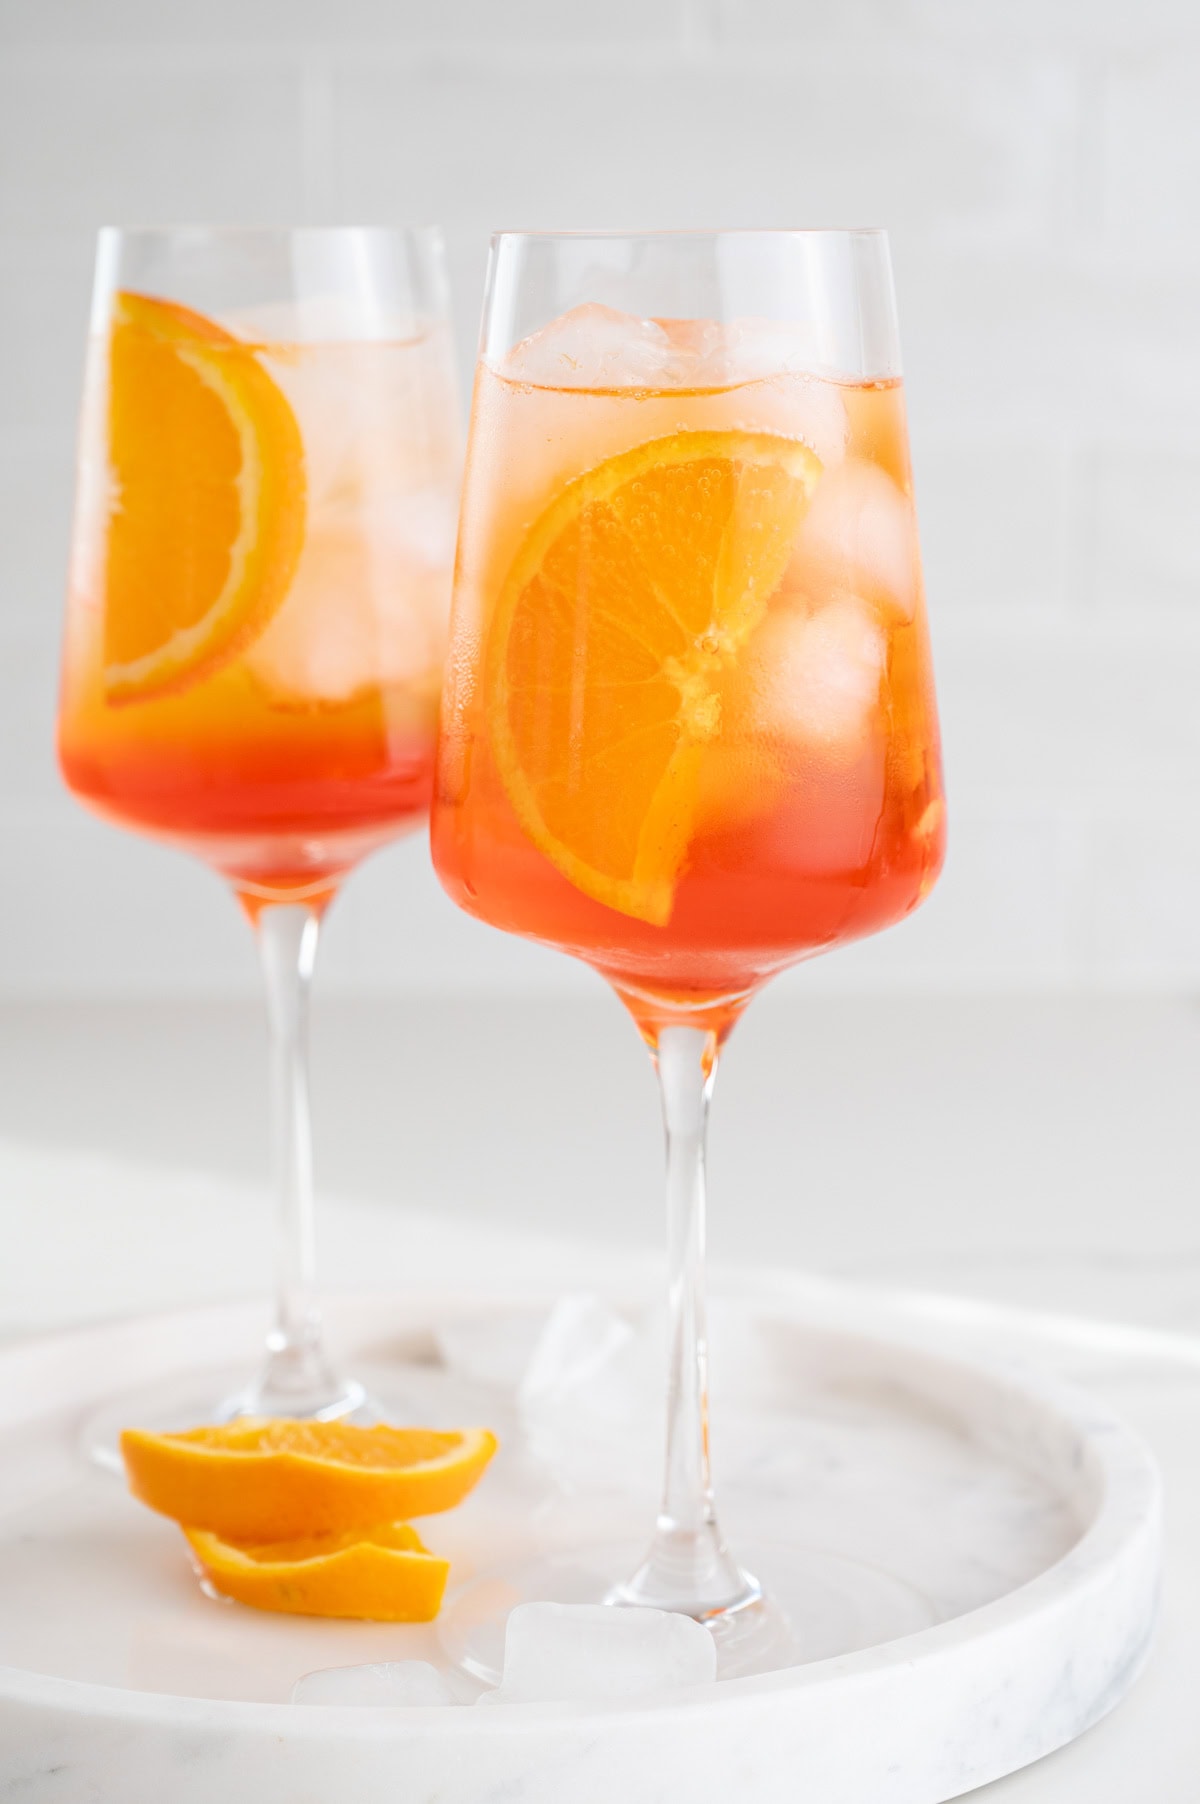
x,y
204,459
808,831
677,547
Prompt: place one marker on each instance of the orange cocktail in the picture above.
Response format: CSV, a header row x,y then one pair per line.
x,y
688,731
259,589
697,738
257,615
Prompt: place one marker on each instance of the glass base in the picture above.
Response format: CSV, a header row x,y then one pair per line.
x,y
297,1384
200,1398
692,1572
812,1605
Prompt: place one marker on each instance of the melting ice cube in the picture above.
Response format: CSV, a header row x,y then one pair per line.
x,y
598,347
370,599
578,1653
492,1349
859,533
816,676
589,1399
412,1683
753,348
580,1338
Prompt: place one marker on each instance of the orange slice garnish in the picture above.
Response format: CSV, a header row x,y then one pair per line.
x,y
384,1575
264,1480
627,605
208,499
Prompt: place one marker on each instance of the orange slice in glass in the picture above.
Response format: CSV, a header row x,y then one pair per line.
x,y
208,499
629,601
261,1479
384,1575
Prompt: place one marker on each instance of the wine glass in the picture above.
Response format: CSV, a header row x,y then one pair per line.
x,y
263,534
688,732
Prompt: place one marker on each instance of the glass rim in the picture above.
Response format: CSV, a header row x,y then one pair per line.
x,y
644,234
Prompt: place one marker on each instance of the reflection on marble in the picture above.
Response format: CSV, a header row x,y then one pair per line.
x,y
1024,1516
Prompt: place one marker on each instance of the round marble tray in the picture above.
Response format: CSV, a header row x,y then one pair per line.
x,y
1024,1519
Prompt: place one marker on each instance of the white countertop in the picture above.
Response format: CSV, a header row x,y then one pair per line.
x,y
1039,1154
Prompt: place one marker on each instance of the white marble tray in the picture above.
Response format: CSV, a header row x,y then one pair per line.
x,y
1023,1519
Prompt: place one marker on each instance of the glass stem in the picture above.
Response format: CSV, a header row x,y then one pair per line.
x,y
296,1380
689,1567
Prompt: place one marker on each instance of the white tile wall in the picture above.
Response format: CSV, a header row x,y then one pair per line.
x,y
1146,537
1143,917
1152,150
1038,163
994,523
273,22
1074,23
623,137
182,134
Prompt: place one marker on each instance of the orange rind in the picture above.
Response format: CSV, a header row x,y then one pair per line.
x,y
260,1480
383,1575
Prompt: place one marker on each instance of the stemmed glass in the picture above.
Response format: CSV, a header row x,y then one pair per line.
x,y
267,487
689,731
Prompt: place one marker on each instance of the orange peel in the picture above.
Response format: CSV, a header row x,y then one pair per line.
x,y
261,1480
384,1575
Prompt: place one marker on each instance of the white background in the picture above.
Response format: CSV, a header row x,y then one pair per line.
x,y
1038,164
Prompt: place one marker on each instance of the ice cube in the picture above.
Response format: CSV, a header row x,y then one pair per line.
x,y
580,1338
373,416
593,1653
816,676
492,1349
598,347
370,599
860,534
590,1400
410,1684
328,318
755,348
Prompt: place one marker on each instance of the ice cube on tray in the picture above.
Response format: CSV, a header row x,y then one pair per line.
x,y
599,1653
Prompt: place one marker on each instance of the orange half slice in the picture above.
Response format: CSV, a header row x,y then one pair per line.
x,y
208,499
262,1480
384,1575
627,604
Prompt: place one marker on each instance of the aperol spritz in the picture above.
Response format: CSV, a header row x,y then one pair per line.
x,y
259,589
700,740
689,731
